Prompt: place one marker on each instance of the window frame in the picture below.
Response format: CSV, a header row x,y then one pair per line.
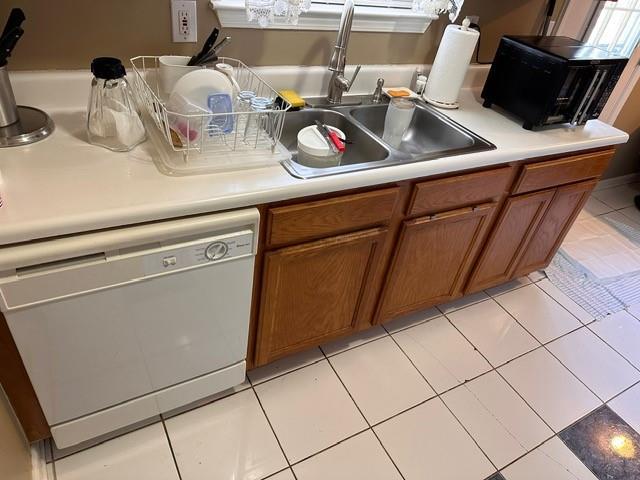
x,y
578,18
326,16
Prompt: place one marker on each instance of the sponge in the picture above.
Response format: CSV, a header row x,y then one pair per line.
x,y
291,96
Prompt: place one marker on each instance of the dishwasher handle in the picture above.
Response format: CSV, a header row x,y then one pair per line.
x,y
63,248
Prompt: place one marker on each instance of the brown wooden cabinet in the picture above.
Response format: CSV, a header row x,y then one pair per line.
x,y
433,259
548,197
564,208
515,226
317,291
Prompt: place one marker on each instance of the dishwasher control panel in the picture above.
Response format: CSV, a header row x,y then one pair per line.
x,y
200,252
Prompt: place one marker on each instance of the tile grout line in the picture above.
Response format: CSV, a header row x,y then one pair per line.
x,y
388,333
173,455
565,308
544,345
363,416
324,449
444,403
371,340
264,412
279,375
623,392
291,465
442,312
271,475
518,287
402,329
495,369
614,349
554,433
629,312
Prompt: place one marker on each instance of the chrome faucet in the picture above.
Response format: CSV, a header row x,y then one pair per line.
x,y
338,83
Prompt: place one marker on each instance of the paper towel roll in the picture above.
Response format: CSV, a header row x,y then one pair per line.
x,y
450,66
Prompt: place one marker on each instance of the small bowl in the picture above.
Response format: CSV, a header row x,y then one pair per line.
x,y
313,150
173,68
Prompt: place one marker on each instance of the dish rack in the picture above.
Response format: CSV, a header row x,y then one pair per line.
x,y
202,146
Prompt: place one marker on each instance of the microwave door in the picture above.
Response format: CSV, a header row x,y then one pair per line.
x,y
573,88
581,114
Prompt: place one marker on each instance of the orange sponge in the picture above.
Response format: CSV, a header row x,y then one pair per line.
x,y
398,93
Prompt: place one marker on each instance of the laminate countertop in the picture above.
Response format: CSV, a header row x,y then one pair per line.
x,y
63,185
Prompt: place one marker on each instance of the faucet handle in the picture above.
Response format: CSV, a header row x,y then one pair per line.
x,y
377,94
353,79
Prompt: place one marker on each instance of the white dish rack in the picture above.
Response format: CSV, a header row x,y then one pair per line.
x,y
252,141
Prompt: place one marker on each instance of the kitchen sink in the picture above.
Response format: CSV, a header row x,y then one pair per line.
x,y
427,134
430,135
363,151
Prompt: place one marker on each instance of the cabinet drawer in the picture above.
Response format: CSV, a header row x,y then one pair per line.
x,y
538,176
311,220
459,191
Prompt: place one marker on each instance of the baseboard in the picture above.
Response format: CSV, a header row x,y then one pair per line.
x,y
39,461
617,181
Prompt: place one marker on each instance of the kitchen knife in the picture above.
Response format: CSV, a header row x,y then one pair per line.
x,y
337,141
212,56
325,132
16,17
7,43
208,44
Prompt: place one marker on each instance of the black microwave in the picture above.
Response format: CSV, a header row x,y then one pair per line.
x,y
551,80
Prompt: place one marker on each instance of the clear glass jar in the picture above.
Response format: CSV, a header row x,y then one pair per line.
x,y
113,120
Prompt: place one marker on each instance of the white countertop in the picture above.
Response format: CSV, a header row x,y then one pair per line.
x,y
64,185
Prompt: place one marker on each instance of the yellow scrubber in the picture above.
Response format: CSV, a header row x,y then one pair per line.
x,y
291,96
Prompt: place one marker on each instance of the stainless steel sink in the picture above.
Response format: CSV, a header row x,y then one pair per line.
x,y
364,151
429,132
431,135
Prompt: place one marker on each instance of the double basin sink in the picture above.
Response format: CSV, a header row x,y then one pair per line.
x,y
430,135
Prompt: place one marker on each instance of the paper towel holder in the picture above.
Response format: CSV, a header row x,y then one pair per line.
x,y
452,105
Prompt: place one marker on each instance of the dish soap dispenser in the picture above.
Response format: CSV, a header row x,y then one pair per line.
x,y
113,121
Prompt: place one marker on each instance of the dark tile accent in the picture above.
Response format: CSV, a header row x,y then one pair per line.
x,y
496,476
606,444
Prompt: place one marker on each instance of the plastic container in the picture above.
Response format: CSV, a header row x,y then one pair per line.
x,y
313,150
173,68
113,121
397,120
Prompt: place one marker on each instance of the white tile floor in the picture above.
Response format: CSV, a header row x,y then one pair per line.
x,y
489,379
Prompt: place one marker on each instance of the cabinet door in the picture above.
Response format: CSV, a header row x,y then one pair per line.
x,y
317,291
433,259
564,208
515,226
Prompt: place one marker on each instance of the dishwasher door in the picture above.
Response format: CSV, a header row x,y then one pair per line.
x,y
115,336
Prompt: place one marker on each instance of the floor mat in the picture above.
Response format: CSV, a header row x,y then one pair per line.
x,y
598,265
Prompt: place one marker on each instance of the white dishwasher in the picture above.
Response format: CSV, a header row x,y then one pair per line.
x,y
119,325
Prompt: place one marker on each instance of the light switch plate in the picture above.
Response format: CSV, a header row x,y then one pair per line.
x,y
184,22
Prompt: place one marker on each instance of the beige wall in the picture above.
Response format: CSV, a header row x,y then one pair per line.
x,y
627,158
15,459
69,33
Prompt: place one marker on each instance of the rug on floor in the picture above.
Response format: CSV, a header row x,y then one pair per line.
x,y
599,265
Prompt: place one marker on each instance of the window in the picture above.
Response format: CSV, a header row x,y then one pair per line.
x,y
369,16
616,27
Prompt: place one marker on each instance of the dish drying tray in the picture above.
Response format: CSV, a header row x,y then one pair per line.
x,y
254,140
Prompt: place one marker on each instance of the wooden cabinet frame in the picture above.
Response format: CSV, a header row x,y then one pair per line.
x,y
294,315
422,272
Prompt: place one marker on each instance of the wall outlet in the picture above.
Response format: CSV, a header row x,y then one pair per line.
x,y
184,23
474,19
